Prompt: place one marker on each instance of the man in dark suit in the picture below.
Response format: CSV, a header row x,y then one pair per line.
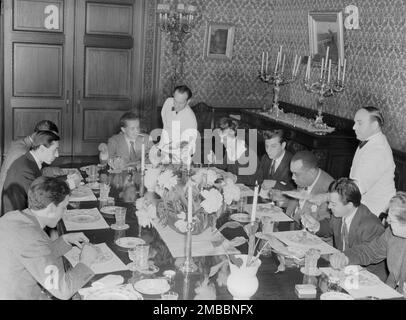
x,y
311,180
352,224
273,171
27,168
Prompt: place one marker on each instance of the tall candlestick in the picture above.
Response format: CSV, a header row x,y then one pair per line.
x,y
254,203
276,64
329,71
339,69
299,61
321,69
189,203
327,51
262,62
294,66
280,56
345,63
309,61
283,63
266,65
142,158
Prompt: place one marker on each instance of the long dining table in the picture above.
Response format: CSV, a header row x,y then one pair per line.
x,y
273,285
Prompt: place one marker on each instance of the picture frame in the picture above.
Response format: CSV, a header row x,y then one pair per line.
x,y
219,40
326,30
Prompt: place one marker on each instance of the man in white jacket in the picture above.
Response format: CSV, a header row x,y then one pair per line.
x,y
373,168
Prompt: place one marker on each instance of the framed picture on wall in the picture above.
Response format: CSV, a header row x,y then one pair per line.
x,y
219,40
326,30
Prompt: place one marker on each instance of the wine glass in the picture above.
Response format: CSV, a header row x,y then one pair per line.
x,y
132,254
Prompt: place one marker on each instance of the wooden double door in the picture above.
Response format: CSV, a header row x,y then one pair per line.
x,y
77,63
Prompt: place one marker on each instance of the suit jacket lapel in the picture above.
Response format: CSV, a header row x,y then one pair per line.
x,y
353,227
280,169
124,146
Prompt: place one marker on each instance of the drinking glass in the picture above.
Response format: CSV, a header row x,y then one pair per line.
x,y
132,254
311,258
104,190
267,224
92,173
119,214
142,254
170,295
243,203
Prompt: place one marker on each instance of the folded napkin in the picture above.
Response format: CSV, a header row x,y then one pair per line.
x,y
110,280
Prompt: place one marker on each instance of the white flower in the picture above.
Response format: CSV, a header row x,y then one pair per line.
x,y
181,215
231,192
151,177
213,200
181,225
167,180
211,177
146,212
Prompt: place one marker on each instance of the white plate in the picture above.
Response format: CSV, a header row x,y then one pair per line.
x,y
82,218
109,209
332,295
152,286
116,293
129,242
240,217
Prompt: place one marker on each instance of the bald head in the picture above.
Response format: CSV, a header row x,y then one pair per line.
x,y
367,122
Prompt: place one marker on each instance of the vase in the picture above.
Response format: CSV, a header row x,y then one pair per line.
x,y
242,282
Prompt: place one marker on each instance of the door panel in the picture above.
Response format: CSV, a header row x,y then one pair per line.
x,y
104,70
38,63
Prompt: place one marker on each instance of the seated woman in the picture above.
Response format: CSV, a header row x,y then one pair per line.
x,y
391,245
128,143
239,159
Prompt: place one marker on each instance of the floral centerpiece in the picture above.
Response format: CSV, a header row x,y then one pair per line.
x,y
167,186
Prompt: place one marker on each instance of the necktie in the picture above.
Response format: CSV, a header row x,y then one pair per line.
x,y
272,171
344,234
132,151
362,143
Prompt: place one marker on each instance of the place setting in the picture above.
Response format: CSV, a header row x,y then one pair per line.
x,y
84,219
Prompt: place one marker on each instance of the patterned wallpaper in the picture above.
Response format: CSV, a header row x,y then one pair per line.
x,y
376,57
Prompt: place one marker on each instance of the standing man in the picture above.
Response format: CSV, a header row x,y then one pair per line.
x,y
373,168
179,121
273,171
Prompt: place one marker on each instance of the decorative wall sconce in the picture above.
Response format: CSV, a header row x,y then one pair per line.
x,y
178,20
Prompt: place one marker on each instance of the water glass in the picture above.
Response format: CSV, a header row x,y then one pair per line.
x,y
243,203
120,216
104,190
267,224
141,256
170,276
92,172
132,254
170,295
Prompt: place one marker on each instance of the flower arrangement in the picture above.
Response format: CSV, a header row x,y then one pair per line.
x,y
212,189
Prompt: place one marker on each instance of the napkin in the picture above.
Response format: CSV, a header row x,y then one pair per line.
x,y
108,281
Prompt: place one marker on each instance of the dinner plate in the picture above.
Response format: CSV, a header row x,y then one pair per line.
x,y
114,293
82,218
332,295
129,242
152,286
240,217
109,209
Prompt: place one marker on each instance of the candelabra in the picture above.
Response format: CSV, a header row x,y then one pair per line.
x,y
177,20
324,87
278,77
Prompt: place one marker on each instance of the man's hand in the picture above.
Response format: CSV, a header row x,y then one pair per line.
x,y
338,260
88,255
310,223
268,184
77,239
319,198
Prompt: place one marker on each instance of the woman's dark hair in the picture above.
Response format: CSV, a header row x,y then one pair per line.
x,y
43,138
46,190
228,123
347,190
183,89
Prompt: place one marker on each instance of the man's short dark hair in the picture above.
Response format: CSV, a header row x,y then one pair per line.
x,y
347,190
228,123
270,134
46,190
128,116
183,89
375,114
46,125
43,138
307,157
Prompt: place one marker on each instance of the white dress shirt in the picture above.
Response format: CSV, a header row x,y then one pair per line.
x,y
39,164
178,126
309,190
373,169
278,160
235,149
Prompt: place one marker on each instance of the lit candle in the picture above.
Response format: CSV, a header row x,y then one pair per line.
x,y
321,69
262,62
339,69
142,158
329,71
276,64
280,55
345,63
294,66
283,63
189,203
266,64
309,61
254,203
327,51
299,61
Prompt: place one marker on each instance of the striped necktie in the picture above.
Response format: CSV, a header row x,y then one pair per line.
x,y
272,171
344,234
132,151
